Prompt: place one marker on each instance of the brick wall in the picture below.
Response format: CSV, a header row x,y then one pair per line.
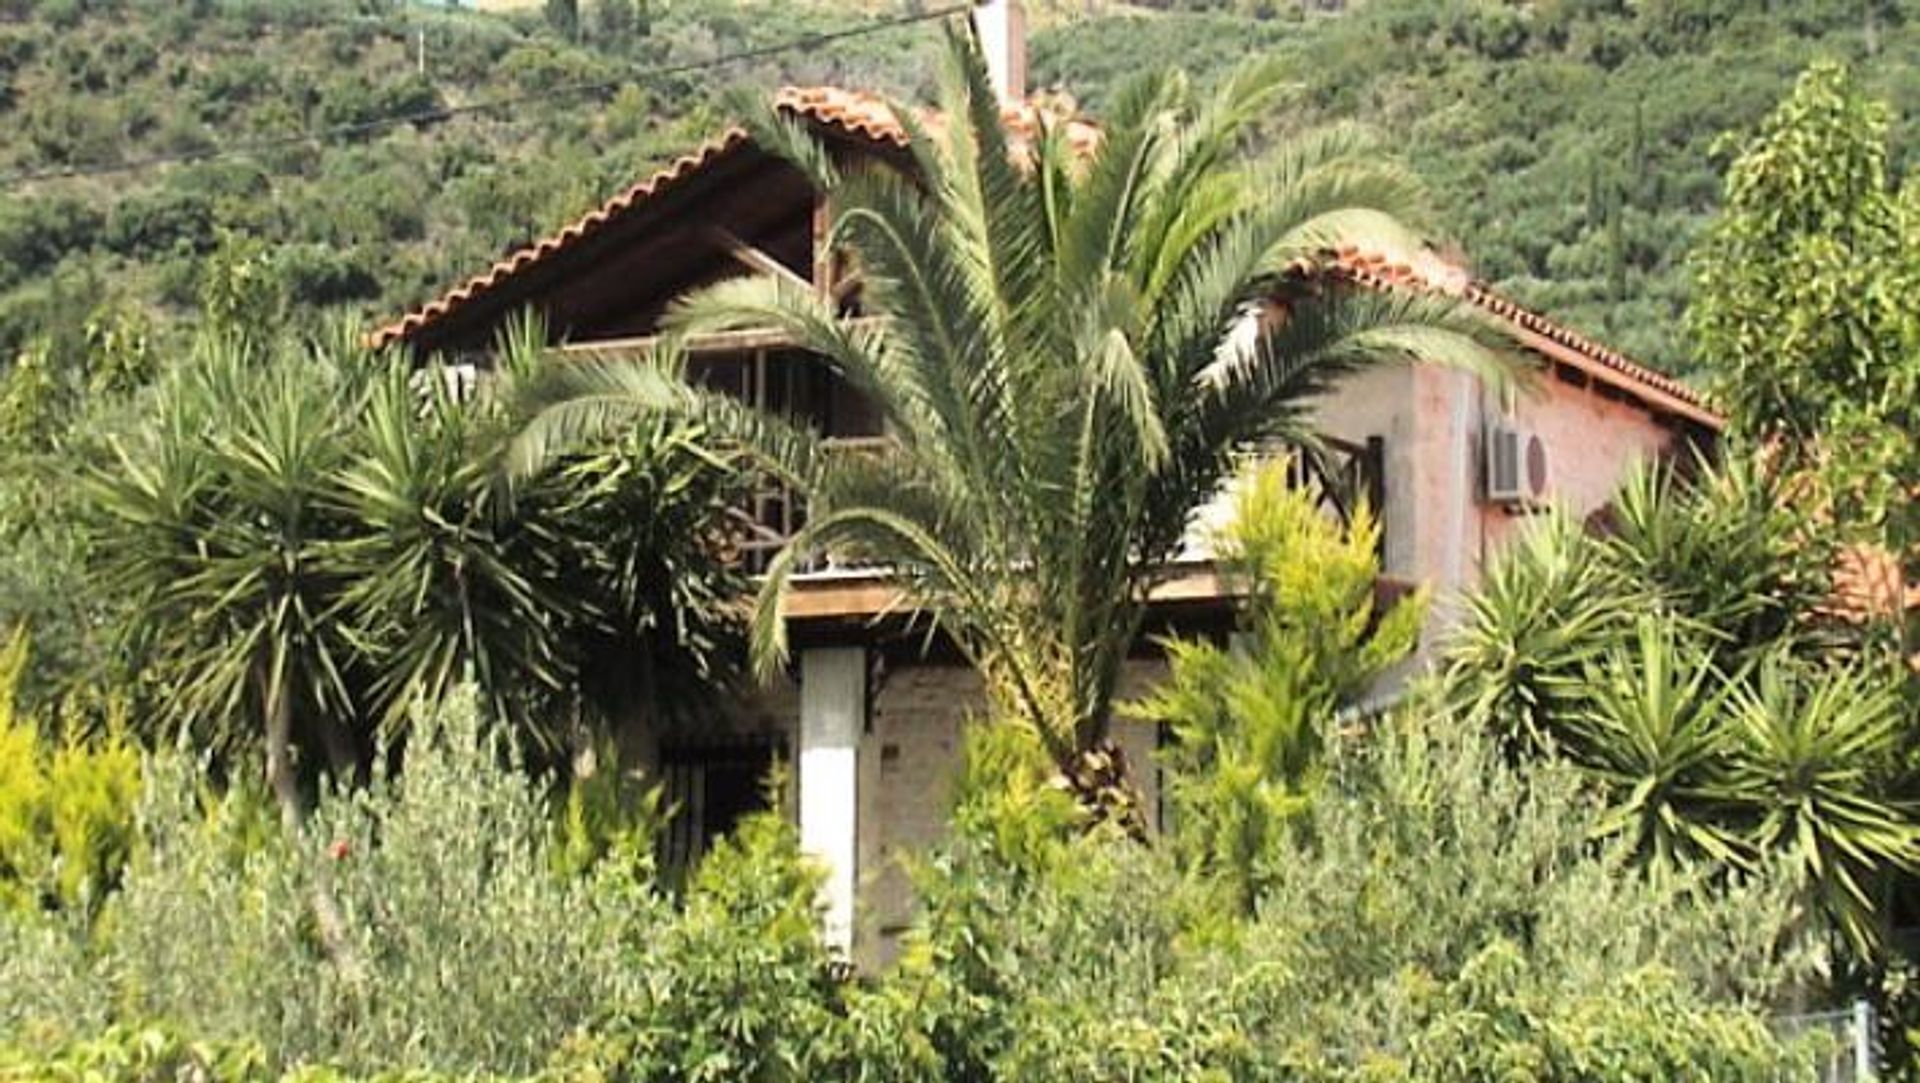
x,y
908,763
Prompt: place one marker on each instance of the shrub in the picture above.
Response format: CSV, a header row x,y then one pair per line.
x,y
465,951
738,985
1441,915
1249,721
66,807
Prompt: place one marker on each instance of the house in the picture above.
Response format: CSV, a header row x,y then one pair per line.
x,y
871,716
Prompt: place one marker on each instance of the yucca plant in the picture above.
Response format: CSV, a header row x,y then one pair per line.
x,y
212,523
1068,350
1726,543
313,540
1542,614
441,578
1812,755
1651,727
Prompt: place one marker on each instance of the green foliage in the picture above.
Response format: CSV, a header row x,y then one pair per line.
x,y
1800,311
610,815
738,986
85,85
1803,312
474,954
1683,662
1443,914
1250,720
66,806
125,1055
1569,146
312,540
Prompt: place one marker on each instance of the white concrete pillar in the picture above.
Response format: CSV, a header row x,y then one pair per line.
x,y
1002,28
833,710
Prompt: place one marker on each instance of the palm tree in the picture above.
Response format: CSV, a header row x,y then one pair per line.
x,y
608,564
1068,350
213,519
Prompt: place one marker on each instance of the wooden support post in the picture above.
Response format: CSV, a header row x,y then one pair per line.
x,y
822,252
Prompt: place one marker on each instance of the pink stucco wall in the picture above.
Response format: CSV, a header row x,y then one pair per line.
x,y
1439,529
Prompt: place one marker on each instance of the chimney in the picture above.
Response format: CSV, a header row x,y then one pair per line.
x,y
1001,26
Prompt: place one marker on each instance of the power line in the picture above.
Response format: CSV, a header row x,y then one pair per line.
x,y
441,113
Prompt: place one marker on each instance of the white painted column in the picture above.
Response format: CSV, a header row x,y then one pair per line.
x,y
1002,29
833,709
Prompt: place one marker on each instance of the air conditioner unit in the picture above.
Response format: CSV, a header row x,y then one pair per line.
x,y
1516,468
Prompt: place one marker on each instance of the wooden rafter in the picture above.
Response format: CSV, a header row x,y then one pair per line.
x,y
715,342
753,258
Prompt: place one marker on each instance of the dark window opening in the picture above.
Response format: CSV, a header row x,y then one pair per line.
x,y
711,785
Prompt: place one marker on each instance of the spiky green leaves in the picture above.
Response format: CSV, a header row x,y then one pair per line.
x,y
1685,663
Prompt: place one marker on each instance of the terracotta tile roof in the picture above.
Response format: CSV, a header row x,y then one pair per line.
x,y
579,230
1869,582
1427,271
870,117
855,113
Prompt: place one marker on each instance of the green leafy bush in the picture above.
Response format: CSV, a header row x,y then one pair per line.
x,y
1441,914
464,951
66,806
1250,720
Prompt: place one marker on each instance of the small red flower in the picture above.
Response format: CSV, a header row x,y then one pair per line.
x,y
339,850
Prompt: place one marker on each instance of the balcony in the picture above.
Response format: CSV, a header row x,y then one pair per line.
x,y
760,370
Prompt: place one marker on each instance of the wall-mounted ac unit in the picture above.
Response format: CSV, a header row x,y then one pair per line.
x,y
1516,468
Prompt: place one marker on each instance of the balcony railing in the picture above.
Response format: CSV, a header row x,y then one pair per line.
x,y
1345,474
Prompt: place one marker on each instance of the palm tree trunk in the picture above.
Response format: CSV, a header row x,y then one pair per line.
x,y
278,707
343,760
1099,779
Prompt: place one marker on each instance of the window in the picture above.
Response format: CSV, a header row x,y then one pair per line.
x,y
800,388
711,784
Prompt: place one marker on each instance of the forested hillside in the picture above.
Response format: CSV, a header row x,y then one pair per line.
x,y
366,221
1568,141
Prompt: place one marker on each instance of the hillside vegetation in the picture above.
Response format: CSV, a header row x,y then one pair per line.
x,y
1568,141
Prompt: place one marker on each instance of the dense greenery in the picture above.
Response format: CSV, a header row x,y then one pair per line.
x,y
1567,148
309,540
65,804
1247,722
368,220
1682,663
1804,317
1568,142
1662,790
1495,938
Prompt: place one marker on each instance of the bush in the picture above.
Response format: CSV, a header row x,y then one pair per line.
x,y
1441,915
464,951
1249,721
66,807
